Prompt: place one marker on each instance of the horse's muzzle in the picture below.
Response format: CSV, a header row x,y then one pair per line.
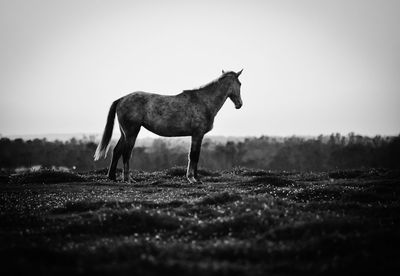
x,y
237,101
238,104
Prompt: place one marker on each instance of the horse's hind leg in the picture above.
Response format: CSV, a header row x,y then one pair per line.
x,y
129,144
117,152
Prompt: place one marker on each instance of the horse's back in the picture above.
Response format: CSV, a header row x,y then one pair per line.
x,y
147,101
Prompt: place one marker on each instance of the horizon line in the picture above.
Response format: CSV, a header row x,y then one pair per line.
x,y
80,135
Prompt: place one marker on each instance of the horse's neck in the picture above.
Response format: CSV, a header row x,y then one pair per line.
x,y
216,97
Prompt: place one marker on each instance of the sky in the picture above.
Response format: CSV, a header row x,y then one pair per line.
x,y
310,66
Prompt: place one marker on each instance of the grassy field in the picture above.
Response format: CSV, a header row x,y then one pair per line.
x,y
239,222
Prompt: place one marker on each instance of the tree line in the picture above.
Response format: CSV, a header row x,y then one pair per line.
x,y
290,154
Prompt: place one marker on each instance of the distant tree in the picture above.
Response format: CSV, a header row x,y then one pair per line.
x,y
291,153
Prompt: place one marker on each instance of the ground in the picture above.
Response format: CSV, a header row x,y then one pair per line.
x,y
239,222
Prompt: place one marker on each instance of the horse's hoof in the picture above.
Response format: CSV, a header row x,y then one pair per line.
x,y
114,179
128,180
193,180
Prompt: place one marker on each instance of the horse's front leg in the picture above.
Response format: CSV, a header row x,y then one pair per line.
x,y
194,155
131,135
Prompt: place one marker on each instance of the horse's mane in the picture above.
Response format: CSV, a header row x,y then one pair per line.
x,y
212,83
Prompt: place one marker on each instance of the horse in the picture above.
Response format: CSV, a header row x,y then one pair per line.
x,y
190,113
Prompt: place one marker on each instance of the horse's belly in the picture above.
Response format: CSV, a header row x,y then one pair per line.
x,y
168,118
168,131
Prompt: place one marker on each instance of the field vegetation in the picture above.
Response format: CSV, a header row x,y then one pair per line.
x,y
236,222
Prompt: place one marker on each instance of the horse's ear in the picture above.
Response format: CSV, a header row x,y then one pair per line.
x,y
238,73
223,72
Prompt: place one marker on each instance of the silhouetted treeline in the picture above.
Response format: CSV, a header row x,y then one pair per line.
x,y
292,153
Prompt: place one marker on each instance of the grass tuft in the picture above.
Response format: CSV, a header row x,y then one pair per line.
x,y
271,180
122,221
4,178
219,198
45,177
348,174
181,172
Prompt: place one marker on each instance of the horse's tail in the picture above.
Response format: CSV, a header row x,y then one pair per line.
x,y
102,148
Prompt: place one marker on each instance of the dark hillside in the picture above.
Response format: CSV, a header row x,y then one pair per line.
x,y
238,222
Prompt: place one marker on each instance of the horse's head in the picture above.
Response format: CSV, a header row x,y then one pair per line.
x,y
234,87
